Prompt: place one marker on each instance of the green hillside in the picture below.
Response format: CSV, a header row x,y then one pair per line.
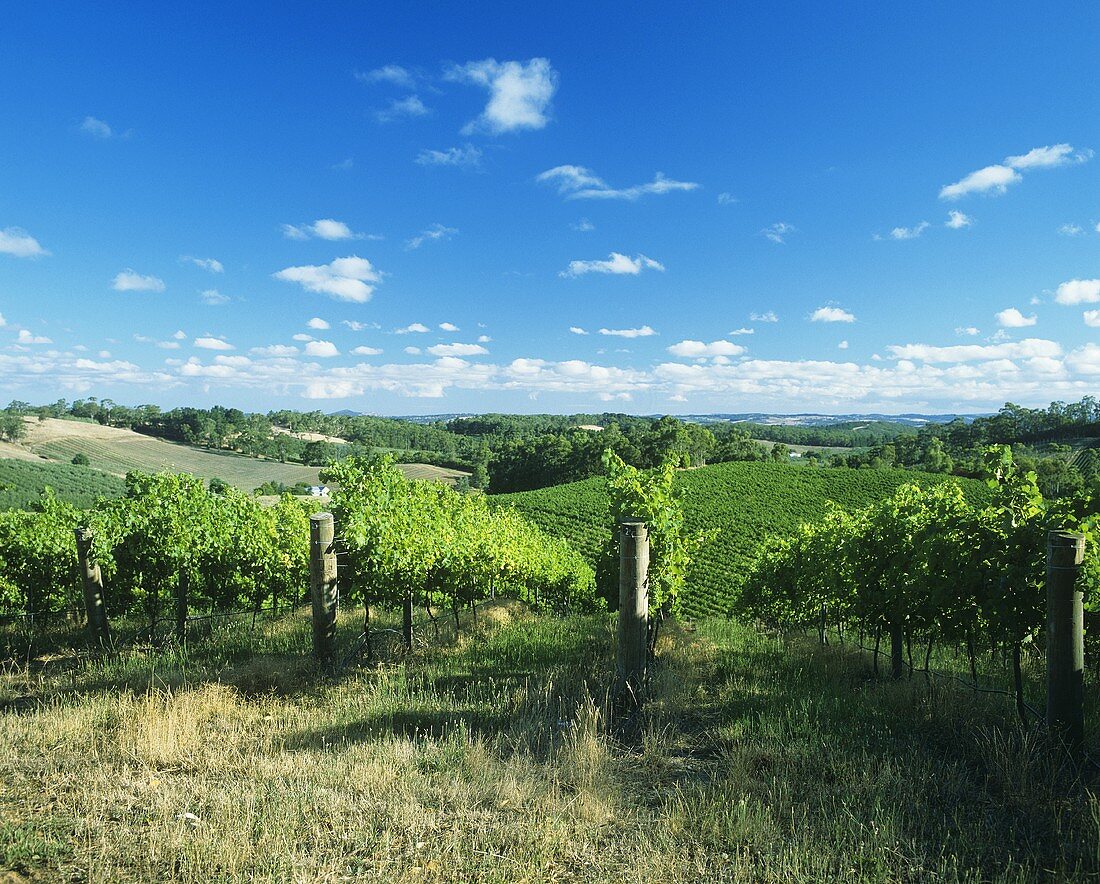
x,y
21,483
744,500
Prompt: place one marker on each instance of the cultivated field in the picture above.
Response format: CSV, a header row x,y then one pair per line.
x,y
119,451
763,759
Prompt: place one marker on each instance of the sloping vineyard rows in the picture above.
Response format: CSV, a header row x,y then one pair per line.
x,y
21,482
744,501
925,561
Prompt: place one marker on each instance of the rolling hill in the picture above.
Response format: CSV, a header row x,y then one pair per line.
x,y
745,501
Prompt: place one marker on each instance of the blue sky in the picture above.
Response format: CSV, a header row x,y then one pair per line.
x,y
416,209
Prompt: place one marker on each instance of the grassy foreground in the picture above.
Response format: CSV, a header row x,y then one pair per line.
x,y
485,759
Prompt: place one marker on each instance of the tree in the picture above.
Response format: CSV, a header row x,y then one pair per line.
x,y
80,459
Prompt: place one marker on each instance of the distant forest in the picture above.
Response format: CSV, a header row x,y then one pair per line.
x,y
506,452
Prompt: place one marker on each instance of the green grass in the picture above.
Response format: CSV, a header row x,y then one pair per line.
x,y
744,500
762,759
22,483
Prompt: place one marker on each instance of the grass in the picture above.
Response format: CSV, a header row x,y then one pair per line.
x,y
487,759
117,451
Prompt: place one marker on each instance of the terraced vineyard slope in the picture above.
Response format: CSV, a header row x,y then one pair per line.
x,y
745,500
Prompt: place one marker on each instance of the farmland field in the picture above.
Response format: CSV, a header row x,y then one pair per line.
x,y
118,451
22,481
744,500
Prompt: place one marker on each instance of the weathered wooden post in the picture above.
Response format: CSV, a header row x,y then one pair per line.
x,y
897,648
1065,637
633,610
183,590
99,629
407,620
322,587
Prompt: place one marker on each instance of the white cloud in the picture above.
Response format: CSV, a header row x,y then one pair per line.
x,y
1085,360
577,182
519,93
212,343
1027,348
322,349
483,339
577,330
317,323
1046,157
301,336
347,279
212,265
909,232
969,330
764,317
1071,230
433,233
1092,318
843,345
741,331
991,178
616,264
414,328
25,337
583,226
831,314
457,350
16,241
466,157
3,321
367,351
1098,227
323,228
409,107
1013,318
278,350
448,327
779,231
413,351
390,73
726,199
213,298
958,220
644,332
180,335
96,128
698,348
1078,291
168,345
355,325
129,281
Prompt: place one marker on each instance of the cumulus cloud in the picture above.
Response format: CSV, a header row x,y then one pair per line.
x,y
367,351
277,350
909,232
831,314
578,182
393,74
431,234
318,323
1078,291
457,350
466,157
1071,230
996,178
583,226
413,328
769,316
406,108
577,330
644,332
211,265
413,351
1027,348
519,93
616,264
843,345
322,349
130,281
346,279
698,348
213,298
968,330
448,327
323,228
17,242
958,220
26,337
96,128
741,331
355,325
1092,318
1013,318
212,343
779,231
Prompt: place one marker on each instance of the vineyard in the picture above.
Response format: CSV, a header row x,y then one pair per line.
x,y
22,482
745,501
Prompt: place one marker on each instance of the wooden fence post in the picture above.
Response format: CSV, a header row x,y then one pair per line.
x,y
322,587
897,648
1065,637
633,651
407,620
183,590
99,628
